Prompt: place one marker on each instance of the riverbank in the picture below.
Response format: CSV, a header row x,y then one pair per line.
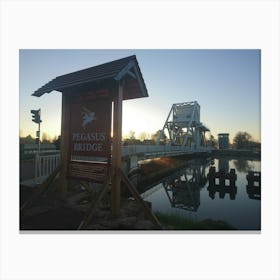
x,y
48,212
249,154
175,222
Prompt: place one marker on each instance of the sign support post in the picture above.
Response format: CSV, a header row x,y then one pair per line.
x,y
65,121
116,153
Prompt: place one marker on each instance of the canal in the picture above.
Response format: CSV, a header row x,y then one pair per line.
x,y
186,192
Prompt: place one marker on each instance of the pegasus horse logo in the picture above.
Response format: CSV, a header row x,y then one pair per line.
x,y
87,117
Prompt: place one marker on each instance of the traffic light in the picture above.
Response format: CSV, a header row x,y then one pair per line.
x,y
36,116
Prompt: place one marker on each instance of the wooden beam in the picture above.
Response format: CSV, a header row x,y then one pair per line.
x,y
116,153
131,74
139,199
91,211
124,71
64,146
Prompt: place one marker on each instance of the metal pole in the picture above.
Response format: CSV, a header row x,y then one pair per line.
x,y
38,161
39,136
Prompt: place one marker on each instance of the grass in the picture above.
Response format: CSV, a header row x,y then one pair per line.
x,y
176,222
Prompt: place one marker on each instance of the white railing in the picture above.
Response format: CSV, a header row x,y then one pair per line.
x,y
160,149
45,165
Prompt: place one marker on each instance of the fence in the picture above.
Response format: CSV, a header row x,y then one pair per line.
x,y
45,164
27,149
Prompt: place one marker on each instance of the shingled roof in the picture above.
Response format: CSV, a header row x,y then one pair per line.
x,y
105,74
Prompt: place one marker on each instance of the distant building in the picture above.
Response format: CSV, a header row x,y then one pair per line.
x,y
223,140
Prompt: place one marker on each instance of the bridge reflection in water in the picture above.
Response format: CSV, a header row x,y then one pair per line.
x,y
189,193
184,191
183,187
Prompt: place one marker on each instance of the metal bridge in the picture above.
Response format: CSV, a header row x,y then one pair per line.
x,y
183,125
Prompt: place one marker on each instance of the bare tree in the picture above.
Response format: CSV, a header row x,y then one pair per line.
x,y
242,140
144,136
213,141
158,134
45,138
131,134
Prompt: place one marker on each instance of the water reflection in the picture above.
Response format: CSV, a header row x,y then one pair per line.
x,y
223,164
223,181
183,188
243,165
253,187
222,191
182,194
188,192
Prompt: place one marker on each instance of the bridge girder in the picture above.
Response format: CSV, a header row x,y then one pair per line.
x,y
183,125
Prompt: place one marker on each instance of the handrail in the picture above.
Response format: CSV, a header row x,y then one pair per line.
x,y
140,149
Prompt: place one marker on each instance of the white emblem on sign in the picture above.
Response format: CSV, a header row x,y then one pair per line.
x,y
87,117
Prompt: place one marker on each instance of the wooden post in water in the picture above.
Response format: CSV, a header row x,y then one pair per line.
x,y
116,153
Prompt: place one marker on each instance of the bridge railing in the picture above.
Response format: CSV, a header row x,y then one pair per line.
x,y
143,149
45,164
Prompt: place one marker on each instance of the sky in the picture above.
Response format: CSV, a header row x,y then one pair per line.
x,y
225,83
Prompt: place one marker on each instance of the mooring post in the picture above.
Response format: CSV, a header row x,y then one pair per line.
x,y
222,177
232,177
116,153
212,175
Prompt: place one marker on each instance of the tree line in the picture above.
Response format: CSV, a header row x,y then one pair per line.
x,y
242,140
45,139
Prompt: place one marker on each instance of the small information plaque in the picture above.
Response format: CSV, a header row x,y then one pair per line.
x,y
88,171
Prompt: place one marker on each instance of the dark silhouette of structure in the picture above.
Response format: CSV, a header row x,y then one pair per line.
x,y
254,185
222,182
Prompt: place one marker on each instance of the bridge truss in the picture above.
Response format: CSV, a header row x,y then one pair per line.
x,y
183,125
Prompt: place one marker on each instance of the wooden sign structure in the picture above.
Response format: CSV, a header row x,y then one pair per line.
x,y
87,98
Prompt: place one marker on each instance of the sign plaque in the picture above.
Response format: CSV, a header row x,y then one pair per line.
x,y
88,171
90,137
